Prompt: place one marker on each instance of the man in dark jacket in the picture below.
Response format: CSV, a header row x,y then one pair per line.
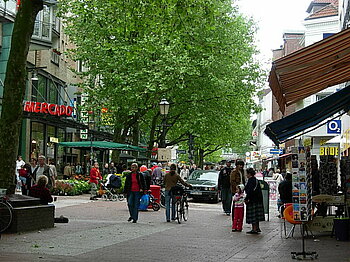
x,y
133,188
224,187
285,190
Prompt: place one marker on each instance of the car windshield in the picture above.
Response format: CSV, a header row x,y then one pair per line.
x,y
200,176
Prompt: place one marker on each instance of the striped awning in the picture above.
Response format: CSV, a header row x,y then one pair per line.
x,y
311,69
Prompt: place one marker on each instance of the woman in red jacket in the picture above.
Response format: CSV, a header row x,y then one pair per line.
x,y
95,176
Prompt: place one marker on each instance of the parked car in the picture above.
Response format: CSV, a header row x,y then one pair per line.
x,y
205,185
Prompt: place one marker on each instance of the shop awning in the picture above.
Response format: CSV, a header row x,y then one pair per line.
x,y
285,128
311,69
101,145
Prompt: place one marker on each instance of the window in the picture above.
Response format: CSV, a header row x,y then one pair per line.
x,y
325,35
52,99
41,89
321,96
37,136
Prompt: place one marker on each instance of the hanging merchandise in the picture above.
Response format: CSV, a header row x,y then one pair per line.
x,y
328,175
345,175
302,184
315,176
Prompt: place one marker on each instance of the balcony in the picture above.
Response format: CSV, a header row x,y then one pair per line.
x,y
8,10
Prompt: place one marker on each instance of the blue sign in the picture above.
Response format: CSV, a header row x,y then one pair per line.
x,y
334,127
276,151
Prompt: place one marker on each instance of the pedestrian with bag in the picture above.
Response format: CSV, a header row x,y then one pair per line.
x,y
134,188
254,202
224,186
170,181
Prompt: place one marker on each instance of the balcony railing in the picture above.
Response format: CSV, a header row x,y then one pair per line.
x,y
8,9
55,57
42,31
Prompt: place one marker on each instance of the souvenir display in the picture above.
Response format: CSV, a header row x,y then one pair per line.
x,y
301,184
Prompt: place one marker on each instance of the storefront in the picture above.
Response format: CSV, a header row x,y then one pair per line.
x,y
293,78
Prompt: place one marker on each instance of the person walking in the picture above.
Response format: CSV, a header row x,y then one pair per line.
x,y
95,177
67,171
31,174
237,177
170,180
43,169
184,173
53,168
134,187
254,202
238,200
224,186
19,164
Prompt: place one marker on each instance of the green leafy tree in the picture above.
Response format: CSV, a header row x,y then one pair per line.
x,y
196,53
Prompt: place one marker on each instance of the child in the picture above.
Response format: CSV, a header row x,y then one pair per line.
x,y
239,209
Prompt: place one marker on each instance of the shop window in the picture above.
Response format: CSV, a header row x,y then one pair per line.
x,y
37,139
41,89
52,93
50,149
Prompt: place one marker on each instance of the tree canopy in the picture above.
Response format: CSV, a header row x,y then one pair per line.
x,y
198,54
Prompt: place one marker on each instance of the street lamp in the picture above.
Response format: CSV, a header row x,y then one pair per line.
x,y
164,107
164,110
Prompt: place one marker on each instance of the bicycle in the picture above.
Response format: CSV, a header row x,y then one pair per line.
x,y
181,204
5,213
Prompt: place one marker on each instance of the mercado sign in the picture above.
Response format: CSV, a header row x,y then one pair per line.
x,y
45,108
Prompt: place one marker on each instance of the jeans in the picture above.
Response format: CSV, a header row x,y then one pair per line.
x,y
169,198
133,204
226,198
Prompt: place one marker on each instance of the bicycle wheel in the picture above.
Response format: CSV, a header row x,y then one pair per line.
x,y
155,206
120,197
5,216
178,212
185,210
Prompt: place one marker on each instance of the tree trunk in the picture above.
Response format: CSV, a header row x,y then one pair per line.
x,y
135,137
14,90
151,135
116,139
201,158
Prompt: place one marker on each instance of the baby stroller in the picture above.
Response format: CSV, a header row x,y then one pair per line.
x,y
111,187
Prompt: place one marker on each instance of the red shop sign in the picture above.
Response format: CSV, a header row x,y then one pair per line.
x,y
45,108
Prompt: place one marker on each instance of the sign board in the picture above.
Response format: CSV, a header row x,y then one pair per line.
x,y
180,151
45,108
334,127
53,139
84,118
255,155
276,151
164,154
329,151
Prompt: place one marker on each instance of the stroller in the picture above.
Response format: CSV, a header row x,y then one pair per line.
x,y
111,188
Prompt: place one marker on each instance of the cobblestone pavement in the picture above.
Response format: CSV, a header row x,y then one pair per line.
x,y
98,230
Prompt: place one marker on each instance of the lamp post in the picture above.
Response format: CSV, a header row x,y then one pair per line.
x,y
164,110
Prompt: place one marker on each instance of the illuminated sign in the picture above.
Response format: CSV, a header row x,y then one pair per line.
x,y
45,108
329,151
